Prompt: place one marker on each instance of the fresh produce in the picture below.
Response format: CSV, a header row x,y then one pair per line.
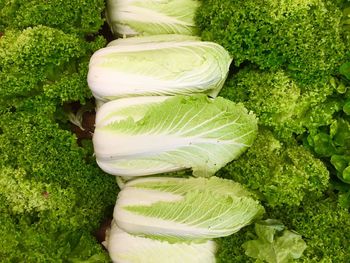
x,y
53,196
296,85
124,247
331,141
46,62
155,66
323,224
140,17
273,245
290,69
182,132
81,17
281,173
304,36
184,208
280,103
52,192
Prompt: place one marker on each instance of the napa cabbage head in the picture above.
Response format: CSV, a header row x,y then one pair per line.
x,y
165,134
124,247
156,66
149,17
167,208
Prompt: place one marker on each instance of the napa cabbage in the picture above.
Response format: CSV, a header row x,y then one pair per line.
x,y
158,65
168,208
124,247
170,134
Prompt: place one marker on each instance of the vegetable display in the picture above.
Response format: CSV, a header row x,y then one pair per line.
x,y
221,162
143,131
52,194
304,37
138,136
74,17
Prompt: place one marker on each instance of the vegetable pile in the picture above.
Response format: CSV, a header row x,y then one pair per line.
x,y
291,61
142,130
252,169
53,197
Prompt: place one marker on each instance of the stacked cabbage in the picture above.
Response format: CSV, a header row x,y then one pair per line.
x,y
154,116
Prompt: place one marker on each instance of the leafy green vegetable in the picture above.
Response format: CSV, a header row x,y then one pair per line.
x,y
345,70
334,144
44,60
155,65
331,141
230,248
23,239
128,248
304,37
76,16
51,192
149,17
324,225
272,246
281,173
184,208
53,196
195,133
282,104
